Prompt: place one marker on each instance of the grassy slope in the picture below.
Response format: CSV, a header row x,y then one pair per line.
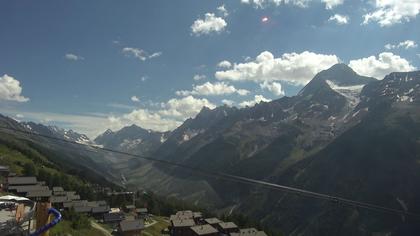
x,y
64,228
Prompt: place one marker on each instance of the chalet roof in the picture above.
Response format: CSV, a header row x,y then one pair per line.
x,y
30,188
115,216
130,206
183,223
21,180
100,209
73,197
82,209
42,193
227,225
197,215
58,199
4,169
212,221
131,225
184,214
96,203
250,232
141,210
60,193
70,193
204,229
75,203
58,189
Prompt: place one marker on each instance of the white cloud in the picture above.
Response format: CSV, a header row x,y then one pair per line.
x,y
224,64
339,19
148,119
257,99
264,3
10,89
330,4
165,116
407,44
73,57
223,11
184,108
135,99
199,77
295,68
390,12
169,115
156,54
139,53
144,78
208,89
379,67
273,87
228,102
209,24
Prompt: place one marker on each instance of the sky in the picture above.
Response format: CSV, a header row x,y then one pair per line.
x,y
94,65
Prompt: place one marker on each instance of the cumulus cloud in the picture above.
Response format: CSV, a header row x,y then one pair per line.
x,y
208,89
199,77
390,12
295,68
330,4
264,3
380,66
228,102
222,10
224,64
167,116
405,44
135,99
148,119
210,24
273,87
10,89
184,108
139,53
73,57
257,99
339,19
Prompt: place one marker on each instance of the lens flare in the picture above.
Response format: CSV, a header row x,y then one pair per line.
x,y
264,19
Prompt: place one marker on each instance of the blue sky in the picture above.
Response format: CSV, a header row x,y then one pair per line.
x,y
92,65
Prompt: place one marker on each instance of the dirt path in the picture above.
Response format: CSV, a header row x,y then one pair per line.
x,y
98,227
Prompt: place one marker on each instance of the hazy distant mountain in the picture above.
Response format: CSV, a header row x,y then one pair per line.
x,y
57,132
132,139
76,159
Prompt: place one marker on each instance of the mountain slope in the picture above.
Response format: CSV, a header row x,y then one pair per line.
x,y
377,161
259,141
132,139
77,159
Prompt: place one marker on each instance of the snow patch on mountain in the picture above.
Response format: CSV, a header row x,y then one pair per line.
x,y
351,93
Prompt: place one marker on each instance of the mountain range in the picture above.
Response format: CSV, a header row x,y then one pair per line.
x,y
343,134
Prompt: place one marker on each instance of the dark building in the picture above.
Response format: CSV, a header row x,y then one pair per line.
x,y
131,227
212,221
114,217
